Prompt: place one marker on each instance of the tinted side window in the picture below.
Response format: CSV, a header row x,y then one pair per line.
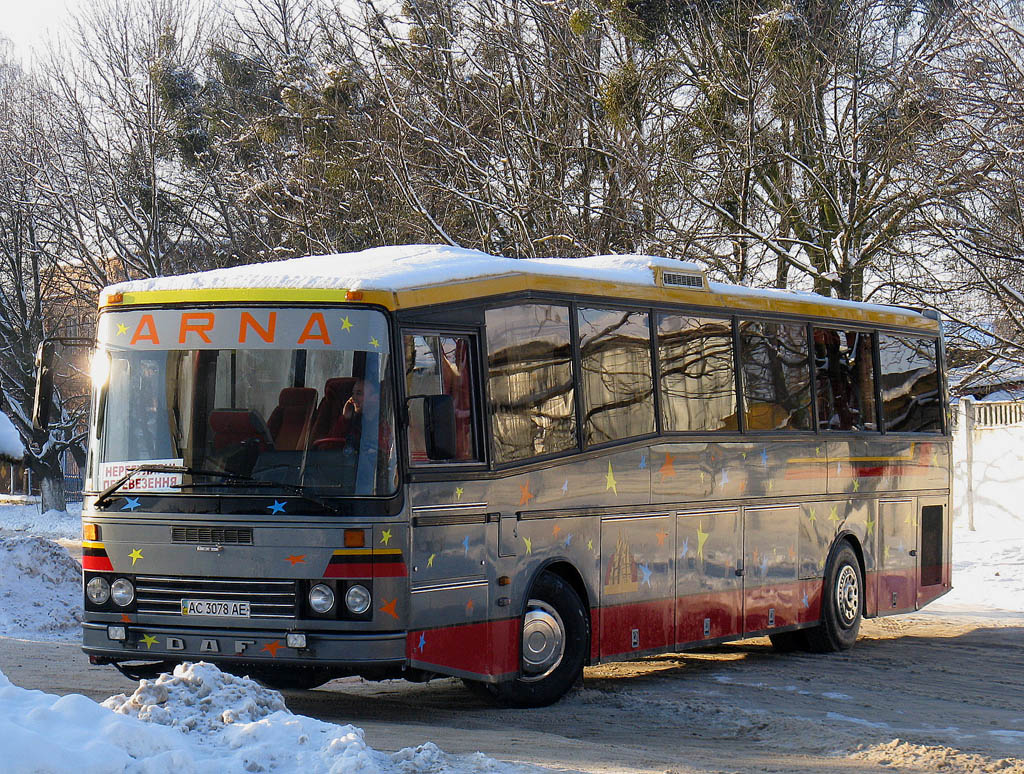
x,y
844,370
695,360
440,365
911,401
776,376
529,359
615,351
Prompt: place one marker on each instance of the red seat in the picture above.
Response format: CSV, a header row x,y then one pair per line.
x,y
234,427
337,391
290,420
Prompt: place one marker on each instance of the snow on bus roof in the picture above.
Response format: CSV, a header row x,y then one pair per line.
x,y
405,267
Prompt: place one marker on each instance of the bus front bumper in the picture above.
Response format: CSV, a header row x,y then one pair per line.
x,y
357,652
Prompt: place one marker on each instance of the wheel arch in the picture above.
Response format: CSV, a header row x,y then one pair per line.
x,y
568,572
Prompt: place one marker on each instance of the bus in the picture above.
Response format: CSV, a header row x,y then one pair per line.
x,y
426,461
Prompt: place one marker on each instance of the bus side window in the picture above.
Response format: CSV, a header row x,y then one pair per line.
x,y
844,371
911,398
440,365
776,375
530,379
698,380
618,386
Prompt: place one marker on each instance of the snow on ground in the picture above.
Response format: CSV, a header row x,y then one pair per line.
x,y
199,719
40,589
25,518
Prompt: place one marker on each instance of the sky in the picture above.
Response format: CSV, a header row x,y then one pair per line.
x,y
27,24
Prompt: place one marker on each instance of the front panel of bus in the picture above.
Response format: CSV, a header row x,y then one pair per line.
x,y
249,506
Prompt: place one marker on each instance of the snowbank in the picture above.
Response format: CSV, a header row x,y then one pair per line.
x,y
64,525
11,446
40,590
199,719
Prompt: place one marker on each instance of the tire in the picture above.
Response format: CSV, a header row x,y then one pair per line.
x,y
787,642
555,640
841,606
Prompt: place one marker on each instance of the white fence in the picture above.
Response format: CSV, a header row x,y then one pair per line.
x,y
988,460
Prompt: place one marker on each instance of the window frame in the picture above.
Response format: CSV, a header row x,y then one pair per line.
x,y
480,427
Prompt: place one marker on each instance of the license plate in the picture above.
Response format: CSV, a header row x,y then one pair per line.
x,y
222,608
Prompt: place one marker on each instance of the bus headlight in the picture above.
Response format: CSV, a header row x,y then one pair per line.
x,y
321,598
357,599
98,590
122,592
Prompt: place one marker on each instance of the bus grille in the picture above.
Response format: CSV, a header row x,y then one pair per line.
x,y
213,535
162,595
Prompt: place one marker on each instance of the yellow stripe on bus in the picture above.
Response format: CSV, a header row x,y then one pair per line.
x,y
722,302
92,544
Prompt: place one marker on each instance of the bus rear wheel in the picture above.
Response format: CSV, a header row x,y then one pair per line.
x,y
554,643
841,605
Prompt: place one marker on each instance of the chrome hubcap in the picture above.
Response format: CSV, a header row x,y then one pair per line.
x,y
847,596
543,640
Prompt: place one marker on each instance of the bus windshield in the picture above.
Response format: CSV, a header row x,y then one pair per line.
x,y
289,397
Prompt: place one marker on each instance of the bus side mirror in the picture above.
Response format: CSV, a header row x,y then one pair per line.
x,y
42,401
439,416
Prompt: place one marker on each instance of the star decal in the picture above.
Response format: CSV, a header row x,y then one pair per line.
x,y
667,470
346,324
555,530
764,457
764,566
590,545
296,559
871,526
389,608
423,641
568,540
643,462
725,476
272,648
812,515
807,602
136,554
125,618
430,560
817,451
458,492
833,514
702,538
529,545
469,606
374,343
385,537
130,504
661,537
646,574
686,548
565,487
465,545
122,329
609,480
150,640
525,495
277,507
856,485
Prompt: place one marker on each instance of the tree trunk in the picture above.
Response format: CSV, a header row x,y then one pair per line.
x,y
51,487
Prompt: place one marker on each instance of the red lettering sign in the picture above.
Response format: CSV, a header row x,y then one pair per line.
x,y
248,321
146,323
315,319
196,322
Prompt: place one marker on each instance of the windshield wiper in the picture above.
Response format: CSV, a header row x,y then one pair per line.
x,y
106,496
236,479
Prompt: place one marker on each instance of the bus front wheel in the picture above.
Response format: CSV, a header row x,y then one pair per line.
x,y
841,604
554,641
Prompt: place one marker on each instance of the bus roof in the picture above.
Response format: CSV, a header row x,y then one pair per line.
x,y
410,276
